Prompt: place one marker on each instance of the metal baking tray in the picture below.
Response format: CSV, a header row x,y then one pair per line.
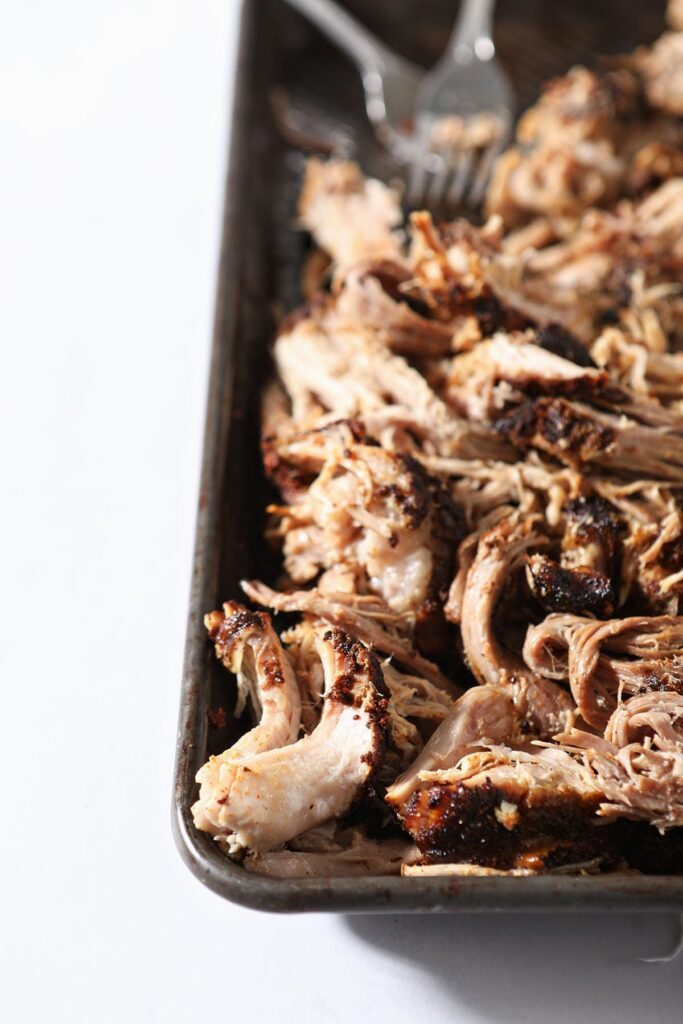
x,y
258,275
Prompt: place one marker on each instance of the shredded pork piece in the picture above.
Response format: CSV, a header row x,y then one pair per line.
x,y
273,795
247,645
344,613
580,436
353,375
378,296
567,159
509,809
352,858
351,217
415,707
482,715
603,659
474,377
543,705
639,766
376,512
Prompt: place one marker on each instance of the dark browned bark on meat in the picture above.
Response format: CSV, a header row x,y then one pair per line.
x,y
554,425
294,476
591,535
434,635
557,339
582,591
459,823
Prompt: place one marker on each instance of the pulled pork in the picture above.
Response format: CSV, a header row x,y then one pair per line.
x,y
257,794
475,440
638,766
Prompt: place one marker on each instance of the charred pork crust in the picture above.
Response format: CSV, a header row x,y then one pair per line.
x,y
227,631
434,636
426,493
291,480
357,659
671,557
554,425
582,591
414,501
490,313
463,823
592,520
661,682
561,342
591,536
598,391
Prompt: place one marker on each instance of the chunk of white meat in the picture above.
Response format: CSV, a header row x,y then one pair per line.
x,y
280,793
248,646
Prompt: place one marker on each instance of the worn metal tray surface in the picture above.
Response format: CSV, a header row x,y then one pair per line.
x,y
259,269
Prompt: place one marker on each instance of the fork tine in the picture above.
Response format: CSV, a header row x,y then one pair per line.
x,y
483,172
440,179
417,178
461,176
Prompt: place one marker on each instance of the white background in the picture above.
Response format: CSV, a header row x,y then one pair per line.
x,y
112,139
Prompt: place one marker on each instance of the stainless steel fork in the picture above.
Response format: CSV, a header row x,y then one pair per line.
x,y
404,105
467,83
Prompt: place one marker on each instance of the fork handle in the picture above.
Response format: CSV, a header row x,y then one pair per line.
x,y
364,48
475,21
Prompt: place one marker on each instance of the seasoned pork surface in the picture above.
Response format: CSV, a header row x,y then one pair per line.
x,y
483,715
247,645
271,795
474,440
511,809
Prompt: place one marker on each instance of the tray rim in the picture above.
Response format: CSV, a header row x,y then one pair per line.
x,y
361,894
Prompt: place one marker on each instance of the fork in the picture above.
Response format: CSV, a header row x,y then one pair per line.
x,y
403,104
390,82
467,82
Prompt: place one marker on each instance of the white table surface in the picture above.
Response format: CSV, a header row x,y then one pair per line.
x,y
112,141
